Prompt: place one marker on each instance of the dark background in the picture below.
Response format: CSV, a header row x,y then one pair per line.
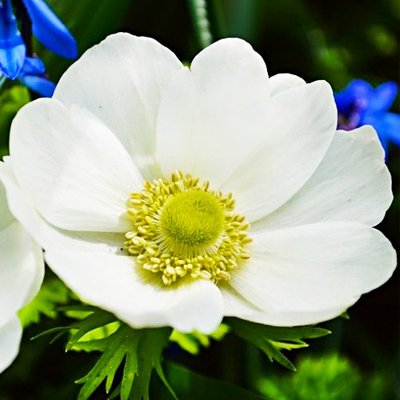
x,y
332,40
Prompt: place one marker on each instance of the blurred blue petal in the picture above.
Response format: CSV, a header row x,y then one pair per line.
x,y
33,76
359,103
354,97
33,66
343,100
38,84
388,125
50,30
383,98
12,48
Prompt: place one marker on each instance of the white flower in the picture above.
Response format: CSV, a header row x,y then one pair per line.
x,y
176,251
21,274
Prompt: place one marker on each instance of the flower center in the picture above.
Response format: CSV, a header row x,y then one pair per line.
x,y
182,229
191,222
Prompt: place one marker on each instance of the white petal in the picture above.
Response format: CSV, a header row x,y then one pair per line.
x,y
351,184
301,127
6,218
120,81
312,268
10,337
75,170
21,270
47,235
282,82
237,306
114,283
212,116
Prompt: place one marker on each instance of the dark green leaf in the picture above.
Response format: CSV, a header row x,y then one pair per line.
x,y
138,352
272,340
192,386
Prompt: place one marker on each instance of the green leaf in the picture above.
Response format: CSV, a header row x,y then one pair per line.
x,y
138,351
272,340
192,386
52,293
192,342
90,323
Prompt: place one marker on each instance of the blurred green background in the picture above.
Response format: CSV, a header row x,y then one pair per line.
x,y
332,40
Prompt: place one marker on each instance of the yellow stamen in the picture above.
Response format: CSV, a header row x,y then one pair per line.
x,y
183,229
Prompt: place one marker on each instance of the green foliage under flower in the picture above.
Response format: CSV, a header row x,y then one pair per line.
x,y
53,293
137,352
272,340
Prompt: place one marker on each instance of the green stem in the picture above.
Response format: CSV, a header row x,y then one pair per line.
x,y
199,13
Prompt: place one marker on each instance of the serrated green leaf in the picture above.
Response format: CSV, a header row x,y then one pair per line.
x,y
96,320
138,352
52,293
152,342
59,330
94,340
130,369
272,340
273,352
107,365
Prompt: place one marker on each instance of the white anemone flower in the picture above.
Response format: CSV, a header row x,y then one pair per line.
x,y
175,196
21,274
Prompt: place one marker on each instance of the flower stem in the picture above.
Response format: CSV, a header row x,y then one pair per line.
x,y
201,22
26,26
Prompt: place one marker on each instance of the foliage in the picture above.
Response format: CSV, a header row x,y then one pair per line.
x,y
192,342
53,293
192,386
328,377
136,352
272,340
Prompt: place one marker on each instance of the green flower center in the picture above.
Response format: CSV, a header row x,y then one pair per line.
x,y
182,229
191,222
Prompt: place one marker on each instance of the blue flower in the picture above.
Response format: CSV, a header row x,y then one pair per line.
x,y
15,60
33,76
361,104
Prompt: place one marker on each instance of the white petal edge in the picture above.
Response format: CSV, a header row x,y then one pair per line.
x,y
21,270
301,126
236,306
46,235
352,183
212,116
121,80
282,82
314,267
10,337
74,169
113,283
